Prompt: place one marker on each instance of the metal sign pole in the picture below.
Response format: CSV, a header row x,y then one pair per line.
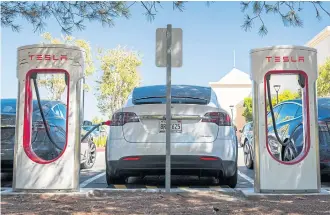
x,y
168,109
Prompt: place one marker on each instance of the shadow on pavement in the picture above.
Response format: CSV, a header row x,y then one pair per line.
x,y
155,203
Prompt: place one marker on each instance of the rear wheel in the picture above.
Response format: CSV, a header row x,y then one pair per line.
x,y
231,181
111,179
247,155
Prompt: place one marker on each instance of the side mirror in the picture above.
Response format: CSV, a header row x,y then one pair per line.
x,y
87,123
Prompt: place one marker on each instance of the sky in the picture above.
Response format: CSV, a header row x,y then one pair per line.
x,y
210,34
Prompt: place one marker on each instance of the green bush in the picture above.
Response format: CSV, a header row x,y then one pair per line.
x,y
100,141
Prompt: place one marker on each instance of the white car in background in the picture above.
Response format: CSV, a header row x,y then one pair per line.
x,y
203,141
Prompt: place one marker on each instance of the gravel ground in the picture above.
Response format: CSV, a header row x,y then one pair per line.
x,y
163,203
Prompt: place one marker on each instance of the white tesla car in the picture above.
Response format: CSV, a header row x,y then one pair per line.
x,y
203,141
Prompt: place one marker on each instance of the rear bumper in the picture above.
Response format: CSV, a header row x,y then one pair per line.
x,y
180,165
325,168
7,166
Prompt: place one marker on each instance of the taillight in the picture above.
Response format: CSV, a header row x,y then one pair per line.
x,y
323,126
131,158
208,158
219,118
121,118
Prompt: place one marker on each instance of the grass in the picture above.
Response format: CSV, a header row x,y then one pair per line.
x,y
100,141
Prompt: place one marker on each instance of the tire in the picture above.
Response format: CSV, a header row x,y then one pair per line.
x,y
111,179
247,155
231,181
90,161
289,152
325,177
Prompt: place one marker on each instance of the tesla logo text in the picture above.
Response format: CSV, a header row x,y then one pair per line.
x,y
48,57
278,59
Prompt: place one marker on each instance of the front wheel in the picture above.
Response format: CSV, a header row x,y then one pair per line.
x,y
91,157
247,156
290,152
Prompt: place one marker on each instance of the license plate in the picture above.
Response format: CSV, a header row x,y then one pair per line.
x,y
176,126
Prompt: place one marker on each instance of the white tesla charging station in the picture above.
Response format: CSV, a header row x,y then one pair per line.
x,y
272,174
33,170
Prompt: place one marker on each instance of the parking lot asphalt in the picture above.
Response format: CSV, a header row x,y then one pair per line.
x,y
95,178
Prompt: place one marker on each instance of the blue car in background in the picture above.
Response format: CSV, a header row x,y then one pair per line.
x,y
288,119
55,114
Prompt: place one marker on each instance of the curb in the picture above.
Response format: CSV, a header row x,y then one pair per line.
x,y
249,192
103,191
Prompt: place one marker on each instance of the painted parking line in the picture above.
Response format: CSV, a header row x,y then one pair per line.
x,y
88,181
142,186
245,177
120,186
151,187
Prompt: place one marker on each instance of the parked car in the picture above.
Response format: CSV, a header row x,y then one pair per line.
x,y
246,133
203,139
288,119
98,132
55,112
247,144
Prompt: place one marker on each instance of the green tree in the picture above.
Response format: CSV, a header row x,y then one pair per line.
x,y
288,12
119,77
71,15
323,81
284,96
54,83
247,113
97,120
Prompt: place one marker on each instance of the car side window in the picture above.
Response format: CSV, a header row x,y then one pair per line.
x,y
288,111
57,110
63,110
251,127
299,112
213,99
269,116
248,128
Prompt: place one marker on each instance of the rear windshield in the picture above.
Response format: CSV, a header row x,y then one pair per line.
x,y
324,107
8,106
180,94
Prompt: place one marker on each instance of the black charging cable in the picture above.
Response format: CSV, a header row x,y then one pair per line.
x,y
272,112
34,77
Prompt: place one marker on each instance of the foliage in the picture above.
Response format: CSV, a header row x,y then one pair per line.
x,y
100,141
97,120
120,76
54,83
71,15
284,96
287,10
247,113
323,81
